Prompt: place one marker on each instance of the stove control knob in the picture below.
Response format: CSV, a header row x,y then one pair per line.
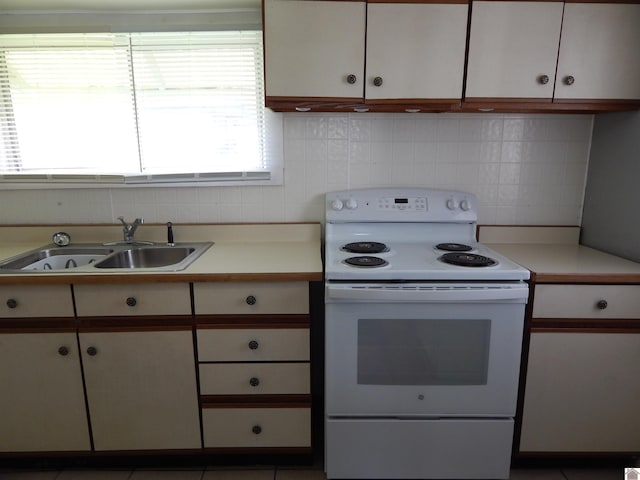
x,y
337,205
465,205
451,204
352,204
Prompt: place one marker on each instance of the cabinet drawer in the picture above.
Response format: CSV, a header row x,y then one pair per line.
x,y
35,301
251,298
224,345
256,427
133,299
587,301
254,378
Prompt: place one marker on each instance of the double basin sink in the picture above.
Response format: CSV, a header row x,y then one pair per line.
x,y
100,257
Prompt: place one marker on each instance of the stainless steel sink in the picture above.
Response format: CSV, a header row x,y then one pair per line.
x,y
56,258
92,258
151,257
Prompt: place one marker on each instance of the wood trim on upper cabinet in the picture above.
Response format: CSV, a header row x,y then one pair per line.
x,y
463,2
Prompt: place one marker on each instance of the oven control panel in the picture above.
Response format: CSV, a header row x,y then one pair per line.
x,y
418,204
401,205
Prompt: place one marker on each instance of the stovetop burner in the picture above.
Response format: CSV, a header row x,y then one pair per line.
x,y
365,247
468,259
366,261
454,247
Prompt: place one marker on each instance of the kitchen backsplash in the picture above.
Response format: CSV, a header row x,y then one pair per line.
x,y
525,169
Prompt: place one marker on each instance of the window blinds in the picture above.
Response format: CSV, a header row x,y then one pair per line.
x,y
137,108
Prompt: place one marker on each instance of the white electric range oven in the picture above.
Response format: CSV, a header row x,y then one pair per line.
x,y
423,338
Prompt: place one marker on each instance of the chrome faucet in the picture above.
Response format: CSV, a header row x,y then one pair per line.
x,y
129,229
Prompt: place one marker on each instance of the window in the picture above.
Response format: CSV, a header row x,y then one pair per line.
x,y
135,108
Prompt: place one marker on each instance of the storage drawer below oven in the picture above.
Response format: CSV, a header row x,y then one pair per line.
x,y
444,448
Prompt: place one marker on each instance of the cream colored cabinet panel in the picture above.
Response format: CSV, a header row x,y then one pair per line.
x,y
311,47
254,378
513,49
255,344
599,50
256,427
24,301
587,301
251,298
417,50
141,389
133,299
42,405
582,393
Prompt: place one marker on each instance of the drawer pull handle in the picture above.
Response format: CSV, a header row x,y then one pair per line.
x,y
602,304
253,345
64,351
257,429
254,382
251,300
12,303
131,301
92,351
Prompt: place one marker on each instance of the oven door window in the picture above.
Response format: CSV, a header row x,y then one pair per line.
x,y
423,352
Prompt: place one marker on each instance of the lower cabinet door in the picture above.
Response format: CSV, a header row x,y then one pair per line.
x,y
582,393
42,404
141,389
256,427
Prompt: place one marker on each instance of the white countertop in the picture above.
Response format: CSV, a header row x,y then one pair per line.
x,y
241,252
558,257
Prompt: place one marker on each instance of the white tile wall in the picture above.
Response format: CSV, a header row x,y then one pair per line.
x,y
525,169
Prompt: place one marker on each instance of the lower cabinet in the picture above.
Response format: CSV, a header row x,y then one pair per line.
x,y
141,389
42,406
582,393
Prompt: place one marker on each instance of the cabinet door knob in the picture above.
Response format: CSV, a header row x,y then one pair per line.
x,y
377,81
92,351
351,79
602,304
253,345
251,300
257,429
543,79
12,303
568,80
131,301
254,382
64,351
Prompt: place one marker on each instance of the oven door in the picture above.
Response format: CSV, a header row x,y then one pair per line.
x,y
423,351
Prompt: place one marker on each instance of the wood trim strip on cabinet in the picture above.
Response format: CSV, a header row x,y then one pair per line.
x,y
256,401
141,323
35,327
581,278
259,450
441,2
253,321
617,325
538,106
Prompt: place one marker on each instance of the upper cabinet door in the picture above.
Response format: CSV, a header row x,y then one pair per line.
x,y
599,56
415,51
513,49
314,48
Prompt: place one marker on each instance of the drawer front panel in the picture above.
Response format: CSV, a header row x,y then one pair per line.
x,y
587,301
256,427
254,344
133,299
251,298
35,301
254,378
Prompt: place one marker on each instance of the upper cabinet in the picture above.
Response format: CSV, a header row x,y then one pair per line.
x,y
314,49
560,53
315,54
598,55
513,49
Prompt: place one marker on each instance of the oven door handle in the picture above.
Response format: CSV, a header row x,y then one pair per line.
x,y
458,294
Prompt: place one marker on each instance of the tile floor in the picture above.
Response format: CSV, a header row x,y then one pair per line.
x,y
270,473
